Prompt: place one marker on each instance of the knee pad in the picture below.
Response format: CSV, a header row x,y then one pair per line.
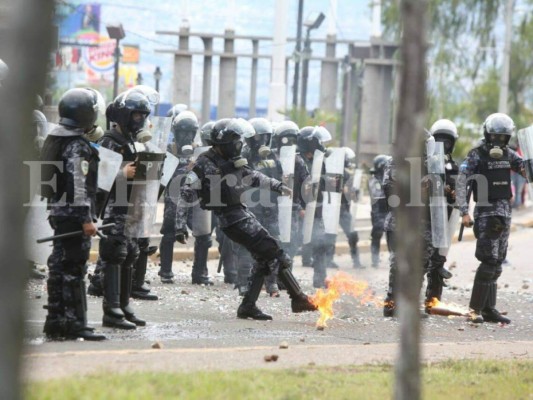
x,y
113,250
497,272
284,261
485,272
204,240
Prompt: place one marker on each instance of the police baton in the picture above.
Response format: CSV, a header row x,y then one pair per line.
x,y
74,234
461,230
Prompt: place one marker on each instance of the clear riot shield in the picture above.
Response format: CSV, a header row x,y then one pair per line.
x,y
453,224
108,167
437,201
525,139
356,187
201,219
36,227
309,218
287,158
169,167
145,186
331,205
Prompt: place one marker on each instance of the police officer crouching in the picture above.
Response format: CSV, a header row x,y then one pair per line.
x,y
493,160
72,208
218,179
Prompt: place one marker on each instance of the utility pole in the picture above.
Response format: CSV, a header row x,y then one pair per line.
x,y
504,77
407,155
376,18
297,54
278,88
28,22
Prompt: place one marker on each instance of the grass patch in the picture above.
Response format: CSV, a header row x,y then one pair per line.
x,y
448,380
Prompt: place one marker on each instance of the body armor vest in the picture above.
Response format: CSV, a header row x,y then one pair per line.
x,y
53,152
498,174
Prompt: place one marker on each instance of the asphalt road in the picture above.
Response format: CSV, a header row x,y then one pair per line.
x,y
196,326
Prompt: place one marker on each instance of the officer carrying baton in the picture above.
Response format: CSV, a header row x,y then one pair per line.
x,y
76,233
461,230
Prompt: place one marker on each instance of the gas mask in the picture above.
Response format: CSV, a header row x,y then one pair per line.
x,y
136,123
232,151
94,134
144,135
497,144
184,143
260,144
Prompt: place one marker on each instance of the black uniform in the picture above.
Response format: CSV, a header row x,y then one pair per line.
x,y
71,206
492,221
209,181
118,252
377,214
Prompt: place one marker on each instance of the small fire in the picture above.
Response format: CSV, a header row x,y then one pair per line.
x,y
436,307
341,283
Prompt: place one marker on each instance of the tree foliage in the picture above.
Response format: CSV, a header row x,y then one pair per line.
x,y
465,56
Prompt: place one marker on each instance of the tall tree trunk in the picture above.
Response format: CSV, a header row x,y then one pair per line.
x,y
24,46
410,134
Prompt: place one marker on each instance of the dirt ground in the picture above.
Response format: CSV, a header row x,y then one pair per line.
x,y
196,327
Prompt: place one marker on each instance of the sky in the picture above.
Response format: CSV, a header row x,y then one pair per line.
x,y
142,18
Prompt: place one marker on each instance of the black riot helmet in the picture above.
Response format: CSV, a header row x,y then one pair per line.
x,y
184,128
286,134
228,135
79,108
379,164
129,111
312,138
260,143
205,133
498,129
445,131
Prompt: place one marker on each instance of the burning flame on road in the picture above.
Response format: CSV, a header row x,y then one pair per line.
x,y
436,307
341,283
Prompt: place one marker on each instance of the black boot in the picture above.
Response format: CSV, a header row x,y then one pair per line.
x,y
54,323
140,289
166,255
299,300
113,315
125,292
96,287
489,313
77,328
433,289
248,309
199,273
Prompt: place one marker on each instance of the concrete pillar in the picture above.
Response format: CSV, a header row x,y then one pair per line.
x,y
328,83
376,107
206,82
227,78
253,85
182,71
277,100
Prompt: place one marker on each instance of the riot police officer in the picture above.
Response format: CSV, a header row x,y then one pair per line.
x,y
312,138
184,129
218,179
378,203
444,131
72,208
119,251
263,202
493,160
345,220
286,134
